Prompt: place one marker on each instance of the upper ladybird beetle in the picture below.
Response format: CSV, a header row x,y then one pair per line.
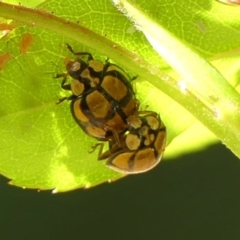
x,y
141,147
102,96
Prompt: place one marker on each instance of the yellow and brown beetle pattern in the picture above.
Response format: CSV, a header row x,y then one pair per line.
x,y
102,96
142,146
104,105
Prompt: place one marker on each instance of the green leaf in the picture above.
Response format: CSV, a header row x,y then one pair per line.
x,y
42,147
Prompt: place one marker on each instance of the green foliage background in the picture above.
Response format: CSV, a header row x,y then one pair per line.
x,y
41,146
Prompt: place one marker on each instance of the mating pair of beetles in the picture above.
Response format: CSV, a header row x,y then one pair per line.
x,y
104,105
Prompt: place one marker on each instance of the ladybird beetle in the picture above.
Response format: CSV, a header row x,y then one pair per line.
x,y
142,146
102,96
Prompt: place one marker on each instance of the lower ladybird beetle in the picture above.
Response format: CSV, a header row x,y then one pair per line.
x,y
102,97
142,146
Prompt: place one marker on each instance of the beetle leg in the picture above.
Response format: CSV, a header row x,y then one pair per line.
x,y
147,113
115,135
68,88
104,155
61,100
72,97
94,147
101,155
64,75
90,57
65,87
134,78
107,60
113,148
63,84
